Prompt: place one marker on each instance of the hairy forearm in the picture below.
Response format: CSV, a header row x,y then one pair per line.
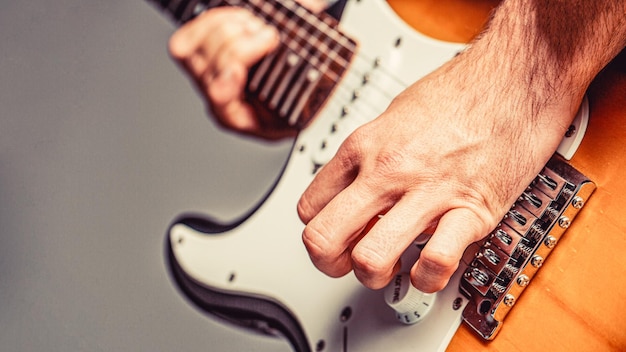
x,y
553,49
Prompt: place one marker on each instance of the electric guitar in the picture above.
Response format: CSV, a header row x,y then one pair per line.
x,y
327,79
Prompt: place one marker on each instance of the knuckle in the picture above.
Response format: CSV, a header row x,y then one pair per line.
x,y
369,267
318,247
390,162
305,209
351,151
356,140
438,263
433,272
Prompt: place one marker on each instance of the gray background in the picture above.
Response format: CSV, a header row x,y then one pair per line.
x,y
102,143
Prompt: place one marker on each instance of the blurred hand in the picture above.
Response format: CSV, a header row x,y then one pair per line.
x,y
216,49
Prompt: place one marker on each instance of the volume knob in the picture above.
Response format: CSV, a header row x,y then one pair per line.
x,y
411,305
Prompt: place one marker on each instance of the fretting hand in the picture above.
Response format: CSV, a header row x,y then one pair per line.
x,y
217,49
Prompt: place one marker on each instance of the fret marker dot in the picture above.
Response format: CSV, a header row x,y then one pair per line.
x,y
292,59
312,75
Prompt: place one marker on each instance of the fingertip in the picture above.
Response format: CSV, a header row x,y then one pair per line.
x,y
271,35
177,47
235,115
441,256
429,277
242,117
371,270
226,85
304,209
326,256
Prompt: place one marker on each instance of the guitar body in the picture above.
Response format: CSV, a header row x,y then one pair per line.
x,y
578,299
255,271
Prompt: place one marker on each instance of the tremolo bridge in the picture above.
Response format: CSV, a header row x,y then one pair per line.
x,y
503,264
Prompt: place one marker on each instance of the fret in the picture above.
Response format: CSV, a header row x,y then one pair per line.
x,y
183,10
273,76
312,76
293,62
293,82
260,71
287,23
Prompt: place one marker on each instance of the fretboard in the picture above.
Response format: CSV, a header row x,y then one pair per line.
x,y
289,86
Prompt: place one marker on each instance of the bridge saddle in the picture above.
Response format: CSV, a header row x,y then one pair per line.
x,y
503,264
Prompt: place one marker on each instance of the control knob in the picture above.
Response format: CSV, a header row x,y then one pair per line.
x,y
411,305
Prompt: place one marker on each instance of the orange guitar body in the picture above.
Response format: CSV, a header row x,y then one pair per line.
x,y
577,301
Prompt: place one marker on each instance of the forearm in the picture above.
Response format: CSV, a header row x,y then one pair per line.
x,y
553,49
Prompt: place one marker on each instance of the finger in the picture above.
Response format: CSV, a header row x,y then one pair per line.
x,y
315,6
227,78
258,40
227,106
335,176
193,34
376,258
329,236
187,39
197,42
243,40
440,258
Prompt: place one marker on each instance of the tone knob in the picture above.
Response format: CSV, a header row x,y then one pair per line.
x,y
411,305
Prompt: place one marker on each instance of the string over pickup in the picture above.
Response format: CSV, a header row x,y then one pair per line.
x,y
505,262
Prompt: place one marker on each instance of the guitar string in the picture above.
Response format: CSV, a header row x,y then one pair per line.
x,y
293,70
298,96
270,8
270,11
314,22
319,22
322,22
197,6
304,97
291,27
305,83
344,92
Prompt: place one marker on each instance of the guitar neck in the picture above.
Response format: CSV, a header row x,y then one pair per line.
x,y
289,86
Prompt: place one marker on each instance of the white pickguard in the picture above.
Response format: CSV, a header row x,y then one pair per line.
x,y
265,254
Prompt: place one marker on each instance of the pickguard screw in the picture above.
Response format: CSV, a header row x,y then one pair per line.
x,y
346,313
456,305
